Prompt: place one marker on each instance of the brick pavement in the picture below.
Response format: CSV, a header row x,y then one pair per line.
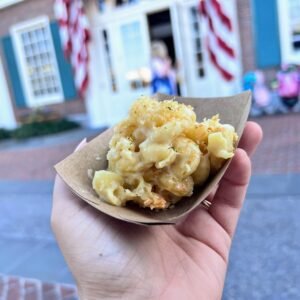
x,y
279,152
33,164
16,288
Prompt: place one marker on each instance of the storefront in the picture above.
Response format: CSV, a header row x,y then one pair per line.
x,y
121,52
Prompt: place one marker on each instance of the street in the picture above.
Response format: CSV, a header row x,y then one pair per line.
x,y
264,261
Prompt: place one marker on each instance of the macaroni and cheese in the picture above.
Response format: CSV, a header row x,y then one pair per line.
x,y
160,152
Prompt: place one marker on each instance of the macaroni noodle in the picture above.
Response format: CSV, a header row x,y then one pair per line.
x,y
160,152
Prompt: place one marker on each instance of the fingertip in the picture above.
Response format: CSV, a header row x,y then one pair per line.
x,y
256,129
251,137
60,186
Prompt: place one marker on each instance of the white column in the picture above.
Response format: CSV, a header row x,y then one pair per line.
x,y
97,97
7,117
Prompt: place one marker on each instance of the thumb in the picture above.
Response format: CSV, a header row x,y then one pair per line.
x,y
64,201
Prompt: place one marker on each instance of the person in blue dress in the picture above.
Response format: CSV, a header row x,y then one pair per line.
x,y
163,74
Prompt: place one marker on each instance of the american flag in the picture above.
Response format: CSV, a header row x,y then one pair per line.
x,y
75,36
219,37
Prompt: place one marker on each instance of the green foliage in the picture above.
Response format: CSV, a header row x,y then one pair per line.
x,y
43,128
35,129
4,134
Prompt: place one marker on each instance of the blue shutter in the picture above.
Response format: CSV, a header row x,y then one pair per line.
x,y
267,42
13,72
65,68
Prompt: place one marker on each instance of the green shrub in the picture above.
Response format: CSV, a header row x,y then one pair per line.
x,y
43,128
4,134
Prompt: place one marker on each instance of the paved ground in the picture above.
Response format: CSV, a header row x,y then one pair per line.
x,y
34,159
279,152
15,288
264,261
264,264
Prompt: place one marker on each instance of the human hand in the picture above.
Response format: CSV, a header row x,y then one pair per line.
x,y
111,259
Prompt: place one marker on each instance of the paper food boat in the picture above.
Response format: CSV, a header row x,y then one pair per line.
x,y
74,169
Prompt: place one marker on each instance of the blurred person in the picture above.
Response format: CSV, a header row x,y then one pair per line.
x,y
112,259
289,85
163,74
265,99
255,81
261,93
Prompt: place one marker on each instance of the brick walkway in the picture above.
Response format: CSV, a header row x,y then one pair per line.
x,y
32,164
279,152
15,288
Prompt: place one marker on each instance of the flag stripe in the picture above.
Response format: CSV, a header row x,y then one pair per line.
x,y
220,41
75,36
228,76
219,33
218,8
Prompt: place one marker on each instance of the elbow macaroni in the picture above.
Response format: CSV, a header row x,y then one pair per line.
x,y
160,152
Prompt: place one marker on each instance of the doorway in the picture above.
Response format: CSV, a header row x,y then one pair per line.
x,y
160,29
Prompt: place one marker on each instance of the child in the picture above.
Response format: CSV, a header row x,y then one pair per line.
x,y
163,75
289,88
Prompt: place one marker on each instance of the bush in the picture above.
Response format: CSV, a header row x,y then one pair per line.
x,y
43,128
4,134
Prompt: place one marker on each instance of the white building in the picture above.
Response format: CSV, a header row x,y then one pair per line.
x,y
120,54
265,34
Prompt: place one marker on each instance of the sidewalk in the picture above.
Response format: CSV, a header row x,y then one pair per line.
x,y
49,140
279,152
14,288
265,250
34,160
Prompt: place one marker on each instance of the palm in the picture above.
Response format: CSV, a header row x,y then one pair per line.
x,y
161,256
113,259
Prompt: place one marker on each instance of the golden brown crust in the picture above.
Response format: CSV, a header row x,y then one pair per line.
x,y
159,152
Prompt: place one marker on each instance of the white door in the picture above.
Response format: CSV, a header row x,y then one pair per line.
x,y
7,118
194,58
128,63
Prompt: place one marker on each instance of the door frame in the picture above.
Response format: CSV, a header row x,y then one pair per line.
x,y
7,116
111,22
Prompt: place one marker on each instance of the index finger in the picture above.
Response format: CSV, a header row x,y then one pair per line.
x,y
251,137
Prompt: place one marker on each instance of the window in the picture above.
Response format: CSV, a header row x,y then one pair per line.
x,y
37,62
137,72
289,29
197,41
108,60
294,12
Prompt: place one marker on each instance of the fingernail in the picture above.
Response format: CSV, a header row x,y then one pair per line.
x,y
80,145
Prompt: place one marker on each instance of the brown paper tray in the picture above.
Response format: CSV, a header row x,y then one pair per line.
x,y
74,169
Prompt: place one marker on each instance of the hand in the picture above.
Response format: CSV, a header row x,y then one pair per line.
x,y
111,259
